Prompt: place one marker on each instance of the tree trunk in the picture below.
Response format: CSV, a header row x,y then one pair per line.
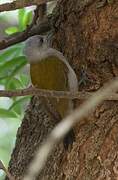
x,y
88,37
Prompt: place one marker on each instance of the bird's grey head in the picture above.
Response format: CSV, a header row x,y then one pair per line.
x,y
35,46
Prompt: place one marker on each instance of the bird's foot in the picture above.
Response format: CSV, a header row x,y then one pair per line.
x,y
84,77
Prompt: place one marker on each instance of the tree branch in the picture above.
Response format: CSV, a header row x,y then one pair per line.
x,y
43,27
55,94
65,125
6,171
33,29
20,4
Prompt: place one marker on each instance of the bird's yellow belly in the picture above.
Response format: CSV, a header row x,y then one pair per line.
x,y
51,75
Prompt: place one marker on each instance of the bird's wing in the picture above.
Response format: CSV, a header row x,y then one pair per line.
x,y
70,74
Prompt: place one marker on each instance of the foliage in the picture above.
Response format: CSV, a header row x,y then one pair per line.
x,y
13,76
24,19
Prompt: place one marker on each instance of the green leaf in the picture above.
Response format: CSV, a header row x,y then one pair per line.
x,y
10,53
15,71
18,105
24,79
15,83
21,14
11,30
27,19
22,62
9,68
4,113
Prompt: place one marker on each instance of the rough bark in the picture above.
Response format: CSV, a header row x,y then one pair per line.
x,y
88,36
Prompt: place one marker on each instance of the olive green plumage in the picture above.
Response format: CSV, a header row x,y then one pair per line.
x,y
51,74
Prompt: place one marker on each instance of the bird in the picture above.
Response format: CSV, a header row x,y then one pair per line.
x,y
50,70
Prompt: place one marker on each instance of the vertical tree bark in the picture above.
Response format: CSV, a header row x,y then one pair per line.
x,y
88,37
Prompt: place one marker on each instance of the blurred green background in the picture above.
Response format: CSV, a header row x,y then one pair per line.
x,y
14,74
